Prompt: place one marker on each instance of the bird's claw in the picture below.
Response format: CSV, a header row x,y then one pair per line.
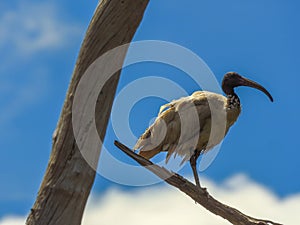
x,y
204,190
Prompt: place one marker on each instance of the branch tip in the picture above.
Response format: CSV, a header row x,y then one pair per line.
x,y
198,195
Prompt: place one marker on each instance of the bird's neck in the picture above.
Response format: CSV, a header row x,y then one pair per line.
x,y
233,101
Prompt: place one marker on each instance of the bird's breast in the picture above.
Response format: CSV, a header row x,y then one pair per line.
x,y
232,115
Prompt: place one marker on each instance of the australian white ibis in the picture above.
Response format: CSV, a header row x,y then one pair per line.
x,y
166,134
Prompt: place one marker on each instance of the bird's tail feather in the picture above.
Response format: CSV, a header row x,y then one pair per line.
x,y
148,154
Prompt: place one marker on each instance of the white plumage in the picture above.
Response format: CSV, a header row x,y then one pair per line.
x,y
194,113
191,125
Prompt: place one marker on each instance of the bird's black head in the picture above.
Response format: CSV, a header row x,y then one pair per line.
x,y
233,79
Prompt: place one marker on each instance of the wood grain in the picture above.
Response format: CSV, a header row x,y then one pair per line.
x,y
68,179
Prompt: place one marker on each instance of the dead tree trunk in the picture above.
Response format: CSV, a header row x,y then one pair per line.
x,y
68,180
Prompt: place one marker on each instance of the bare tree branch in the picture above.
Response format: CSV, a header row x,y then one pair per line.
x,y
68,180
198,195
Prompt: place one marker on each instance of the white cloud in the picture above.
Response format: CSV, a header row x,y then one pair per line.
x,y
166,205
27,30
16,98
35,26
11,220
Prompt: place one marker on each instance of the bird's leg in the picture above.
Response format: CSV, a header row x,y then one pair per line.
x,y
193,162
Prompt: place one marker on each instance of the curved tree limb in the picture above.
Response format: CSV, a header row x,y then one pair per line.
x,y
233,215
68,179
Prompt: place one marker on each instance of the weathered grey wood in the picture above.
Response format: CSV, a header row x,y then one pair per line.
x,y
198,195
67,182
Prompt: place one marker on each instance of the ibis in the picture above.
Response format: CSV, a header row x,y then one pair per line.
x,y
177,132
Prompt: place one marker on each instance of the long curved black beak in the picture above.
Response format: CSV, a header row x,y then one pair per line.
x,y
246,82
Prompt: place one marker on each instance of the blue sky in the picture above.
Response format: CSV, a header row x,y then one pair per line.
x,y
40,41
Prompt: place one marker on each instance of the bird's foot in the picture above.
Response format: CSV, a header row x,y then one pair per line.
x,y
204,190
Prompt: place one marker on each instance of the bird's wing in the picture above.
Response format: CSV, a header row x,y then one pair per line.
x,y
176,128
